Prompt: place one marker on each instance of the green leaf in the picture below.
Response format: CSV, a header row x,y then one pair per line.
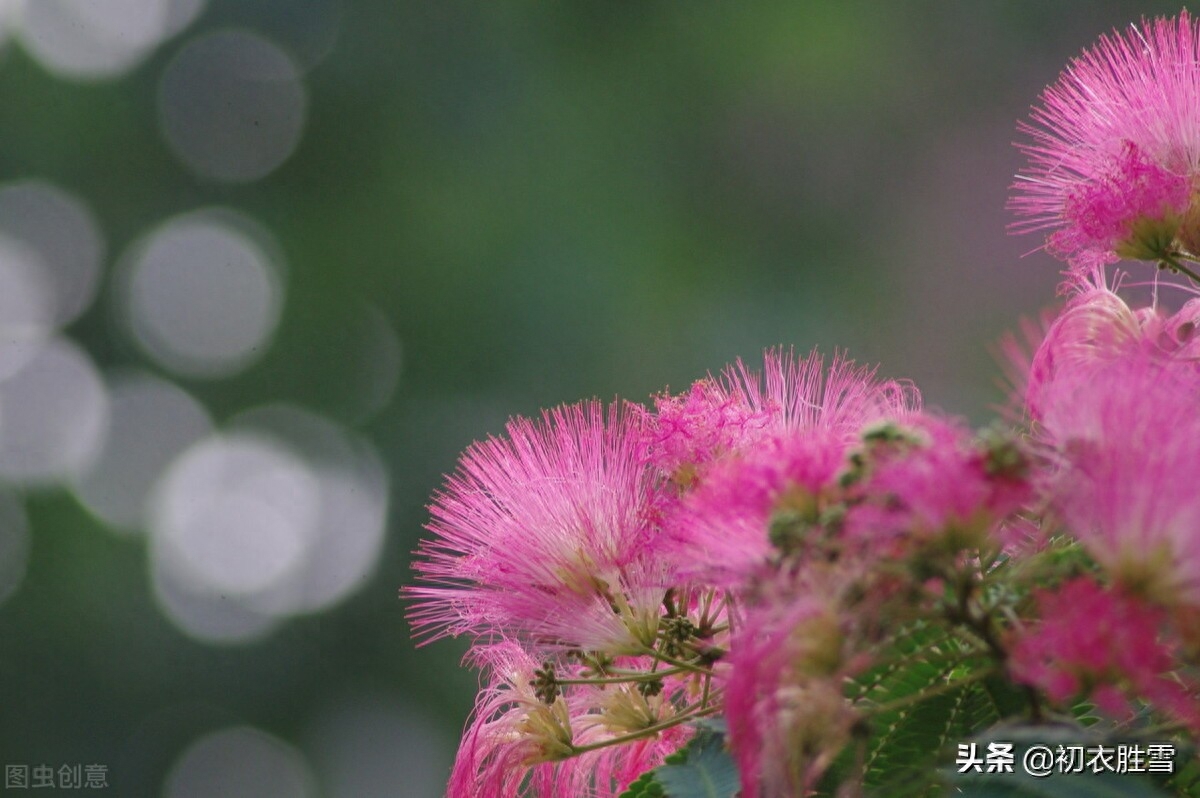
x,y
701,769
906,741
644,787
707,772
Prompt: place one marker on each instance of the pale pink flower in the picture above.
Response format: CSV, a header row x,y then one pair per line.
x,y
1114,148
1096,329
1124,442
539,529
1104,645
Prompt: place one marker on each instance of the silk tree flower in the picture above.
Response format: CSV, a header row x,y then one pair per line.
x,y
788,718
1103,645
1123,441
686,433
541,531
782,467
725,416
932,479
799,395
1096,329
1114,150
519,744
722,532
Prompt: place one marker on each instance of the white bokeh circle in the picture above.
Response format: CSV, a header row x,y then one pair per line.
x,y
240,762
151,422
99,39
234,515
232,106
62,231
53,415
202,294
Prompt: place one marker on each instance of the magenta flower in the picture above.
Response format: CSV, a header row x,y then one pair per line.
x,y
932,477
721,533
725,416
784,702
1103,645
686,433
802,419
1114,149
541,533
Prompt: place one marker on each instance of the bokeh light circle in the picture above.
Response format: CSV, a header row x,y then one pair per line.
x,y
54,414
234,515
352,494
204,615
60,228
27,306
240,762
95,39
283,513
151,422
232,106
203,293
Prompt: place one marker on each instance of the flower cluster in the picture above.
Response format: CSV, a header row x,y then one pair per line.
x,y
805,553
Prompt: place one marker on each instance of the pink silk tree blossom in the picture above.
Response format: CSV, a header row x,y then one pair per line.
x,y
1104,645
1125,453
1114,149
541,530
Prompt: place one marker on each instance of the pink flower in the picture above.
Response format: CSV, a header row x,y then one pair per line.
x,y
1124,442
932,477
686,433
539,534
1104,645
784,702
1096,329
721,417
797,421
1114,148
721,533
518,744
798,395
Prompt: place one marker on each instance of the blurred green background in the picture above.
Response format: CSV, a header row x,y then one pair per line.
x,y
267,266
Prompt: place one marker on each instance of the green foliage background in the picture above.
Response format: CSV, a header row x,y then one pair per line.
x,y
548,202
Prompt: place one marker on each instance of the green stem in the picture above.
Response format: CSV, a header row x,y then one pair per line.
x,y
640,676
649,731
678,663
1172,260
